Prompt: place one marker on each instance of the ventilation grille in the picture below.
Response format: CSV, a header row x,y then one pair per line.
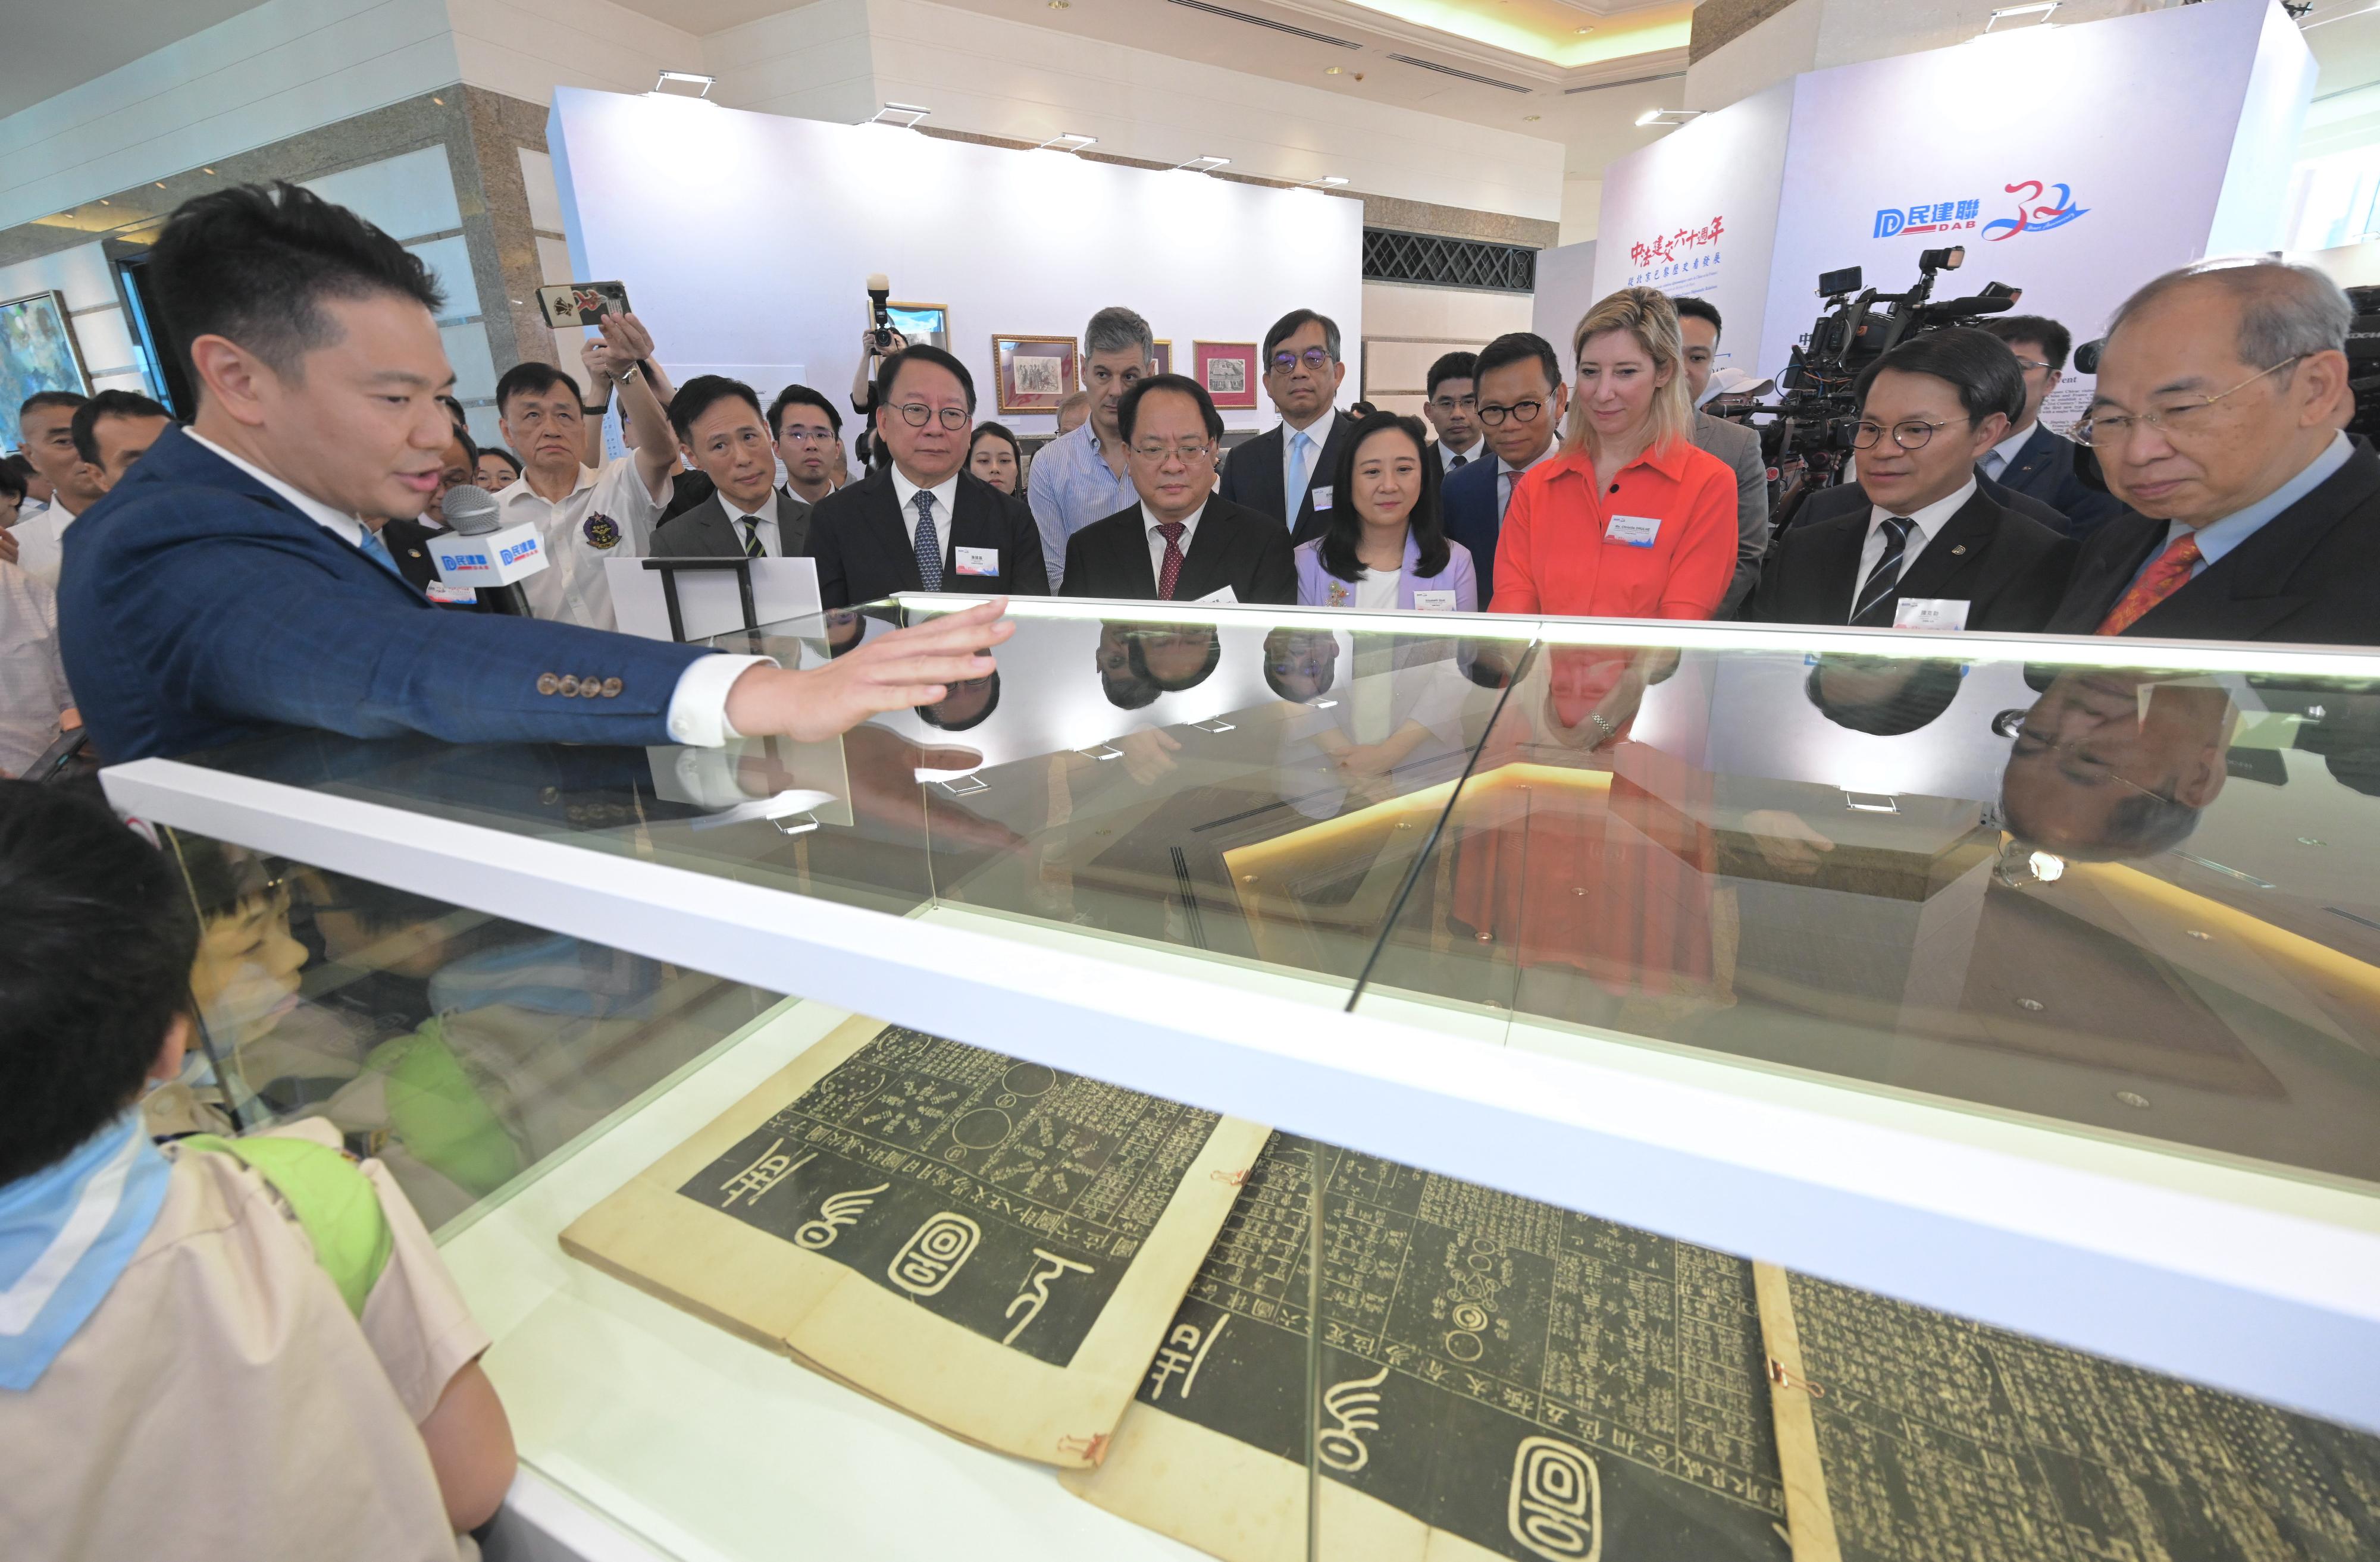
x,y
1267,22
1449,70
1390,255
1631,81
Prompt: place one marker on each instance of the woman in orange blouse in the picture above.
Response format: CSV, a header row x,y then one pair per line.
x,y
1630,520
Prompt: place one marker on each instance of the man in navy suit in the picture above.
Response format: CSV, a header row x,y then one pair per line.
x,y
234,581
2033,460
1521,402
1285,472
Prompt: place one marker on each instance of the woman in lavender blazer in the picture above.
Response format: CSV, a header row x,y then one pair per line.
x,y
1383,547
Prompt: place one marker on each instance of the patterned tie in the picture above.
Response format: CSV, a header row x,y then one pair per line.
x,y
1298,446
1875,609
2167,574
376,551
752,549
929,546
1172,573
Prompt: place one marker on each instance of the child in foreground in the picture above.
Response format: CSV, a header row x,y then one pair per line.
x,y
213,1349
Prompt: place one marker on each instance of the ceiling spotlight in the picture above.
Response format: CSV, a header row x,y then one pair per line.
x,y
1328,181
1332,70
1585,30
1668,116
684,84
1531,118
2008,13
1060,5
1202,164
906,116
1069,141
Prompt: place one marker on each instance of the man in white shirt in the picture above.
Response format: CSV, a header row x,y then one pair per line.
x,y
1085,476
584,514
46,434
808,432
34,704
1452,408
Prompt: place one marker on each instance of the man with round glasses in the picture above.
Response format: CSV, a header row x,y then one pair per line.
x,y
1285,471
922,524
1928,550
2222,391
1522,399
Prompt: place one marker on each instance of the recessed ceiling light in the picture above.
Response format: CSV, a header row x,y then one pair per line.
x,y
1666,116
684,83
440,101
160,184
906,116
1060,5
1332,70
1531,118
1202,164
1068,142
1585,30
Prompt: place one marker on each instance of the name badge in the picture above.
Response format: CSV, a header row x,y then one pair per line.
x,y
1632,531
1220,594
1434,601
1321,496
1929,613
976,560
451,596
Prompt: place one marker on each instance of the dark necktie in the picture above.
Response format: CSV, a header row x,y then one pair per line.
x,y
929,545
1171,576
752,549
1457,463
1875,598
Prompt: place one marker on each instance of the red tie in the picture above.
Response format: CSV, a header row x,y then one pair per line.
x,y
2167,574
1172,573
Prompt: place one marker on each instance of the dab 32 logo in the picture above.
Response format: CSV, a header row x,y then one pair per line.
x,y
2036,212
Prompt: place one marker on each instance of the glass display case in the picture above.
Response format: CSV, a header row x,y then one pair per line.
x,y
1562,1037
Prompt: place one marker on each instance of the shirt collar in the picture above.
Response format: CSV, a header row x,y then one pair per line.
x,y
946,492
336,522
766,512
2005,450
1447,452
1150,523
2220,536
1932,518
1506,469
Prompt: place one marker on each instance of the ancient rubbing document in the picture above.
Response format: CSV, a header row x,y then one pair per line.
x,y
1909,1435
990,1245
1501,1379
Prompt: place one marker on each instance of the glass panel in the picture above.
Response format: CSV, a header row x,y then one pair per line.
x,y
2136,900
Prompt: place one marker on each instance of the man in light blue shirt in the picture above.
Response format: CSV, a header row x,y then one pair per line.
x,y
1084,477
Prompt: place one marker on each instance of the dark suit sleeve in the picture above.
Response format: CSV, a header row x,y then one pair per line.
x,y
275,637
1077,581
1751,524
1274,579
1028,573
1226,480
2026,607
2086,508
824,545
1761,606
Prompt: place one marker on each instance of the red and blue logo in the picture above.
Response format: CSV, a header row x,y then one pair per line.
x,y
2035,218
2036,212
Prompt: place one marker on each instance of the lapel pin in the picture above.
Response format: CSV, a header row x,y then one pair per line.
x,y
1958,550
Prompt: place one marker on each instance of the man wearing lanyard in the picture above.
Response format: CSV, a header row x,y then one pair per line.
x,y
1522,399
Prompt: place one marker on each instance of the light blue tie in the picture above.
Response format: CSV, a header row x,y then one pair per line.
x,y
376,551
1994,465
929,545
1298,446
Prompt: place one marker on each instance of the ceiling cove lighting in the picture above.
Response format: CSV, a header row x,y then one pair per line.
x,y
1068,142
1203,164
684,84
2040,8
906,116
1328,181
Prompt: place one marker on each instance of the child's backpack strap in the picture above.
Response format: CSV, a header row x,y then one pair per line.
x,y
332,1199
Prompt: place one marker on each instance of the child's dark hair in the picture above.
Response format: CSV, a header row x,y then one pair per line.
x,y
97,934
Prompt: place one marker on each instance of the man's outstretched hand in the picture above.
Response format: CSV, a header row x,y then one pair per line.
x,y
908,667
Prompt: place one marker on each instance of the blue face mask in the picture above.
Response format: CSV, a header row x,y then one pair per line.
x,y
66,1233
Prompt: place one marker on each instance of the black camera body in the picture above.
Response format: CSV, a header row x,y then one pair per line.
x,y
1811,422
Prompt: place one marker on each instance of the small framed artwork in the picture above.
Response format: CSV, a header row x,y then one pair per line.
x,y
1227,370
922,325
1036,373
38,350
1165,358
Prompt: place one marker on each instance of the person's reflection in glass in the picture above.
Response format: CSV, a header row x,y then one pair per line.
x,y
1137,663
2113,763
1882,695
965,704
1301,665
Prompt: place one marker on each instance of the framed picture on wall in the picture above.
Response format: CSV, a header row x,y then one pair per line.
x,y
38,350
924,325
1227,370
1164,358
1036,373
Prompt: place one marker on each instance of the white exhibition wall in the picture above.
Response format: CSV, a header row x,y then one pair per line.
x,y
2075,163
746,241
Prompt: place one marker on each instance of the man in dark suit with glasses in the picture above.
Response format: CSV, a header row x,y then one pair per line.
x,y
1286,470
923,523
1521,402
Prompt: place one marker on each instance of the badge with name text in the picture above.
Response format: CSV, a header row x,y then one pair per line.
x,y
1220,594
1321,497
976,560
1929,613
451,596
1434,601
1632,531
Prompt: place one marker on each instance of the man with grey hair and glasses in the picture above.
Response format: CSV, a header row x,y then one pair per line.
x,y
2221,395
1085,476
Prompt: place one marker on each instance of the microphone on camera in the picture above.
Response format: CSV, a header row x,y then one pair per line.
x,y
479,553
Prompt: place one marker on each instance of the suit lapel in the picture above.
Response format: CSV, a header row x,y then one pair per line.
x,y
2246,591
1956,551
891,529
1266,490
714,533
1208,564
1832,551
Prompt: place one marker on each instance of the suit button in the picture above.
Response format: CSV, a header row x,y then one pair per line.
x,y
590,686
612,687
568,686
548,684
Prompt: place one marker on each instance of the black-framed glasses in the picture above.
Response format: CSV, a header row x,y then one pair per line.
x,y
2104,428
917,414
1494,413
1313,358
1910,433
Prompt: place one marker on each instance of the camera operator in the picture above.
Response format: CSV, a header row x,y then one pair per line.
x,y
2033,459
1927,541
1698,322
2216,418
875,346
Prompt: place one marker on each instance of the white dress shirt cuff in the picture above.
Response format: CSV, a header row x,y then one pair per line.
x,y
697,707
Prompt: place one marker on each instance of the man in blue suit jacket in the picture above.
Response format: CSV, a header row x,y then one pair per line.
x,y
1521,402
227,586
2033,460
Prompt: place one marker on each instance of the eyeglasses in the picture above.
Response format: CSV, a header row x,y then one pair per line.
x,y
917,414
2106,429
1493,415
1313,358
1188,449
2031,363
812,436
1909,435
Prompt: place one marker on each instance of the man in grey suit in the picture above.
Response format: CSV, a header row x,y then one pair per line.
x,y
1731,442
721,428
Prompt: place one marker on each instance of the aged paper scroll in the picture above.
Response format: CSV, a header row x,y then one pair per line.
x,y
1908,1436
988,1244
1501,1379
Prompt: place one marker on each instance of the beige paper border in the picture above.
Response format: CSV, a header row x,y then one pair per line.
x,y
1809,1518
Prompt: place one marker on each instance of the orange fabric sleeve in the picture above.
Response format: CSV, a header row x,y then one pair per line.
x,y
1704,566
